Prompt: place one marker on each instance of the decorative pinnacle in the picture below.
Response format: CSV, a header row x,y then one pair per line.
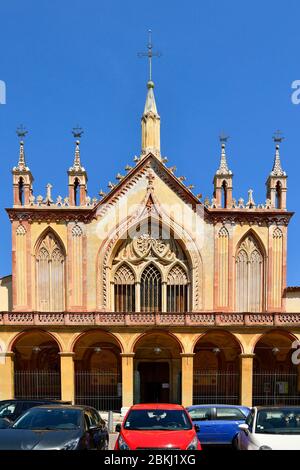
x,y
77,133
277,168
223,168
21,133
149,54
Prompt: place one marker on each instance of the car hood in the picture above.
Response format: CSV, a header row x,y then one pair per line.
x,y
158,439
278,441
23,439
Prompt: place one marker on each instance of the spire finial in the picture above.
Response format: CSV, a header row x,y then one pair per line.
x,y
21,133
277,168
77,133
223,168
150,54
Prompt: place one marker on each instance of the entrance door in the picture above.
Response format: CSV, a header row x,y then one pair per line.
x,y
155,382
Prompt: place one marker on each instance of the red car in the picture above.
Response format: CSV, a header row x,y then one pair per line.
x,y
157,426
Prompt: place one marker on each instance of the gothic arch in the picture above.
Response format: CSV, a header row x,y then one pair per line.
x,y
250,273
111,244
50,272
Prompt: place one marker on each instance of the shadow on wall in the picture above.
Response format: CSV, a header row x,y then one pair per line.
x,y
6,293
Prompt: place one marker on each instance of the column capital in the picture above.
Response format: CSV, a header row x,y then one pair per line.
x,y
67,354
127,354
187,354
246,356
7,354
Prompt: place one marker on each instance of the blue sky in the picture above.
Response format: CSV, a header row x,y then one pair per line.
x,y
224,66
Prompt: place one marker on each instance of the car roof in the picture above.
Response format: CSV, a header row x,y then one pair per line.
x,y
33,400
275,407
67,407
218,406
157,406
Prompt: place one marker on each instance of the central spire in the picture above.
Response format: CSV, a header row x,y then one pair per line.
x,y
150,118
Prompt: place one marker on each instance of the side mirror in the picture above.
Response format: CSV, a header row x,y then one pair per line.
x,y
244,427
118,427
197,427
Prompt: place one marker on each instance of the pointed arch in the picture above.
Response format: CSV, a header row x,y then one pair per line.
x,y
50,259
177,289
250,274
124,289
186,241
151,291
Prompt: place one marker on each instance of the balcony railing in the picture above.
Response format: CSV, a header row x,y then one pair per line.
x,y
150,319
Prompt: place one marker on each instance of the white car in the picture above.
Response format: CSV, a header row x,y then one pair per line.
x,y
270,428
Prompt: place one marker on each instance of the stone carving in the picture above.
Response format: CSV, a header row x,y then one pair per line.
x,y
144,247
21,230
76,231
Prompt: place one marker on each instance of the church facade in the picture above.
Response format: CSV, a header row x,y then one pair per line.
x,y
149,294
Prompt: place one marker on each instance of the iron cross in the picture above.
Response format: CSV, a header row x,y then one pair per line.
x,y
149,53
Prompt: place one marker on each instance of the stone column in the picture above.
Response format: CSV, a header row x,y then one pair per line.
x,y
246,379
137,296
163,296
187,360
7,386
127,379
67,376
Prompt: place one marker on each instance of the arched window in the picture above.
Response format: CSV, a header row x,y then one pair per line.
x,y
124,290
224,195
249,276
76,191
151,289
50,275
21,191
177,290
278,195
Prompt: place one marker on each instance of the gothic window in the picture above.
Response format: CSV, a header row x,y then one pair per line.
x,y
177,290
124,285
50,275
278,203
249,277
21,191
151,289
76,191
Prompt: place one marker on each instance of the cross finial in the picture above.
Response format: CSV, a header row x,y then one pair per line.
x,y
223,137
21,132
149,53
77,132
278,137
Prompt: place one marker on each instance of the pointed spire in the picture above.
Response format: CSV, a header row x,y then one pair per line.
x,y
21,133
150,125
77,133
150,105
223,168
277,168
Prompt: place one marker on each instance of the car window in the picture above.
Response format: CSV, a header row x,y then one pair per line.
x,y
49,418
8,410
200,414
229,414
249,420
96,417
90,419
158,419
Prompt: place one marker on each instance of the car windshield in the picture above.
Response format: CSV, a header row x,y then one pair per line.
x,y
162,420
49,419
278,421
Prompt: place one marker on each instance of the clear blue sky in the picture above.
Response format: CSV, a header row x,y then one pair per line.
x,y
226,65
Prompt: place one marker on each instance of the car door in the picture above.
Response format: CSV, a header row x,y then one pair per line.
x,y
100,434
244,436
202,416
227,420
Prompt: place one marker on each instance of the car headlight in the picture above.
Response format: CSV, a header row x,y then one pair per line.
x,y
265,448
122,444
71,445
193,445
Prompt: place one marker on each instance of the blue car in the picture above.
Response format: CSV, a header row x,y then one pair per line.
x,y
218,424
